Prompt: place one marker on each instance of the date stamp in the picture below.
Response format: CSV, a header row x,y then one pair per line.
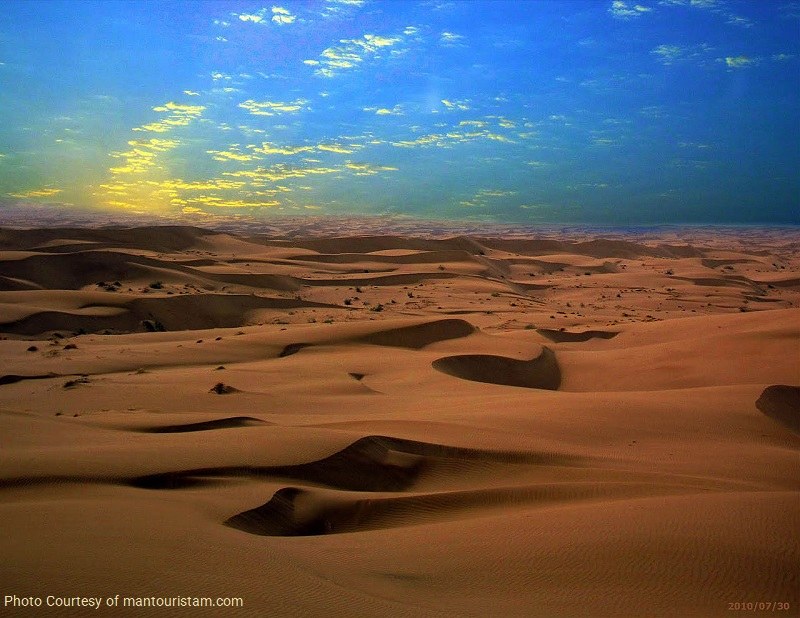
x,y
759,606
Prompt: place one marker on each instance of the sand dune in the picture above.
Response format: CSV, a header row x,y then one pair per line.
x,y
447,425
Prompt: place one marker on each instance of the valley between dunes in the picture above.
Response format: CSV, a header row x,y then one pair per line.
x,y
401,426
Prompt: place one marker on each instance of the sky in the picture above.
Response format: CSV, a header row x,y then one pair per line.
x,y
567,111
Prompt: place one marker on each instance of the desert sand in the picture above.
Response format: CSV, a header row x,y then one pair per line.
x,y
574,424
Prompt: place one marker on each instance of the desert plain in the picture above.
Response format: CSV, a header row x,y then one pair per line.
x,y
350,424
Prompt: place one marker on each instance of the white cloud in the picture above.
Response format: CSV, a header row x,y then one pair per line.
x,y
450,38
350,53
277,15
256,18
623,10
273,108
282,16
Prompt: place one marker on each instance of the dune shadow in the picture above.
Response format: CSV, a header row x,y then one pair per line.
x,y
418,336
372,463
781,403
541,372
561,336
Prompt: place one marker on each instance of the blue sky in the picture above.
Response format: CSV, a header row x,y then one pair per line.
x,y
604,112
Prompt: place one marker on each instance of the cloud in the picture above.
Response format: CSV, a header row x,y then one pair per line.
x,y
674,54
451,138
271,149
483,197
272,108
233,154
191,210
782,57
142,156
739,62
256,18
282,16
717,7
450,39
191,93
47,192
667,54
397,110
367,169
219,202
455,105
280,172
180,115
350,53
337,148
622,10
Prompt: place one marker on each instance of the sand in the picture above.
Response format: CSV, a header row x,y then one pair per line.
x,y
579,424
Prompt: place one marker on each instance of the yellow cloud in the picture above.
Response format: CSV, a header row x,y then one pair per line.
x,y
455,105
142,155
199,185
280,172
219,202
189,110
738,62
271,108
37,193
232,155
337,148
484,196
367,169
267,148
180,115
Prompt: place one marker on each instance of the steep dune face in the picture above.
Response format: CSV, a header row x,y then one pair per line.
x,y
369,426
782,403
540,372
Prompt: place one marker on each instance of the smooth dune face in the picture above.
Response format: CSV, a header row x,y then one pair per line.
x,y
390,426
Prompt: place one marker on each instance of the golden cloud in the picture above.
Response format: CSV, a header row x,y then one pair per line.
x,y
738,62
47,192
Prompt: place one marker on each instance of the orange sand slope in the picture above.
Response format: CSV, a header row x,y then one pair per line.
x,y
372,426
